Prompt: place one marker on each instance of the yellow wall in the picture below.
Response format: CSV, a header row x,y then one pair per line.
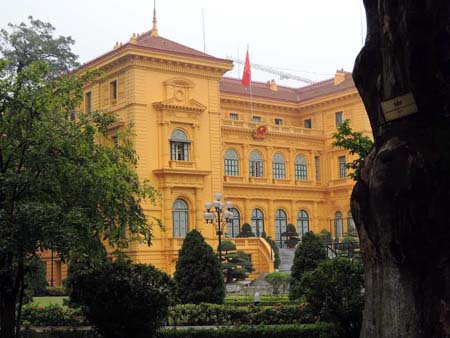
x,y
158,93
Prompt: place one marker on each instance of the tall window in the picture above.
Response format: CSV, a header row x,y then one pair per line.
x,y
257,222
179,146
302,223
234,225
180,218
338,224
301,172
308,123
256,164
280,228
278,122
342,167
87,102
278,166
231,163
339,119
113,90
317,167
350,223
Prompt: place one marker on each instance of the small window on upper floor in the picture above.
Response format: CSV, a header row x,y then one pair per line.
x,y
278,122
88,102
342,167
308,123
234,116
113,90
256,118
339,118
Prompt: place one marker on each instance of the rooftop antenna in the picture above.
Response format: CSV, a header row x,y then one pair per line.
x,y
204,39
154,31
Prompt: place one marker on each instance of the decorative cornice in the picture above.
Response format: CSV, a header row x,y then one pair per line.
x,y
172,171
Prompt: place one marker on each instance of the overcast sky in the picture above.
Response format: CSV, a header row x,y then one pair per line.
x,y
310,38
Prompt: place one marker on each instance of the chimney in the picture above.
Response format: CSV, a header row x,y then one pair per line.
x,y
272,85
339,77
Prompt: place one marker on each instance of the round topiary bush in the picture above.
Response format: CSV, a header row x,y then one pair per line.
x,y
121,299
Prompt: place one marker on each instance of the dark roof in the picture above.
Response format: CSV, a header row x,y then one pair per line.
x,y
259,89
262,90
158,43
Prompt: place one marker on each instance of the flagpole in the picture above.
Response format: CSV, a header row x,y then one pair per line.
x,y
251,95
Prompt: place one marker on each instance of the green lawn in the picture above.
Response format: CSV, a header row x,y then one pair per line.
x,y
44,301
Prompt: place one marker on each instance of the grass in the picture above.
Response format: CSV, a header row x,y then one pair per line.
x,y
44,301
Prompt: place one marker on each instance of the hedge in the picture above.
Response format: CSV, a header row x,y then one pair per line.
x,y
213,314
318,330
52,315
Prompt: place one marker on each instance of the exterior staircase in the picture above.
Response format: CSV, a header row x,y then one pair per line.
x,y
287,259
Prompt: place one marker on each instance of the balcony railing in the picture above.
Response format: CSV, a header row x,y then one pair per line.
x,y
273,128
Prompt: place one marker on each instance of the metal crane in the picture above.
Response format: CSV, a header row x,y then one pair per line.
x,y
281,74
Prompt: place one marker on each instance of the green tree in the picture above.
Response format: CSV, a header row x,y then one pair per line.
x,y
60,188
356,143
198,276
236,265
333,291
119,298
309,253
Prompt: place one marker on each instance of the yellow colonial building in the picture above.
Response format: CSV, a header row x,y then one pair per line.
x,y
198,132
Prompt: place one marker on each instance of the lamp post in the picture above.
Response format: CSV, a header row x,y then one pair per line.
x,y
218,214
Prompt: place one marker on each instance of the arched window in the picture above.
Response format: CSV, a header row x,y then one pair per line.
x,y
256,164
231,163
257,222
350,224
301,169
234,225
179,146
302,223
180,218
278,166
280,228
338,224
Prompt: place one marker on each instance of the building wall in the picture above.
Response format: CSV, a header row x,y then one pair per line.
x,y
156,97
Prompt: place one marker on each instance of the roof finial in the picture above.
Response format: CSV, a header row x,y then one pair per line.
x,y
154,31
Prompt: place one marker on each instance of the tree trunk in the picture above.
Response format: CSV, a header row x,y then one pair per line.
x,y
400,202
7,312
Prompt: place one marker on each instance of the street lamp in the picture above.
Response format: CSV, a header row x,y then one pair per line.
x,y
218,214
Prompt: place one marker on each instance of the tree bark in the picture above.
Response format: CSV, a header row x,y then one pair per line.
x,y
400,202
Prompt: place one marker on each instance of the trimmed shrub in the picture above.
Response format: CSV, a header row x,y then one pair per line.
x,y
236,265
213,314
333,291
318,330
275,249
309,253
278,280
198,276
121,299
246,231
52,315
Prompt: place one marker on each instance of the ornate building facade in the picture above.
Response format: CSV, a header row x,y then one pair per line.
x,y
198,132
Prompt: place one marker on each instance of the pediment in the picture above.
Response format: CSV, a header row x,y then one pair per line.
x,y
176,104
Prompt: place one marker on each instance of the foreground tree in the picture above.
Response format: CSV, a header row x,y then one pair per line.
x,y
198,276
60,188
400,202
119,298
